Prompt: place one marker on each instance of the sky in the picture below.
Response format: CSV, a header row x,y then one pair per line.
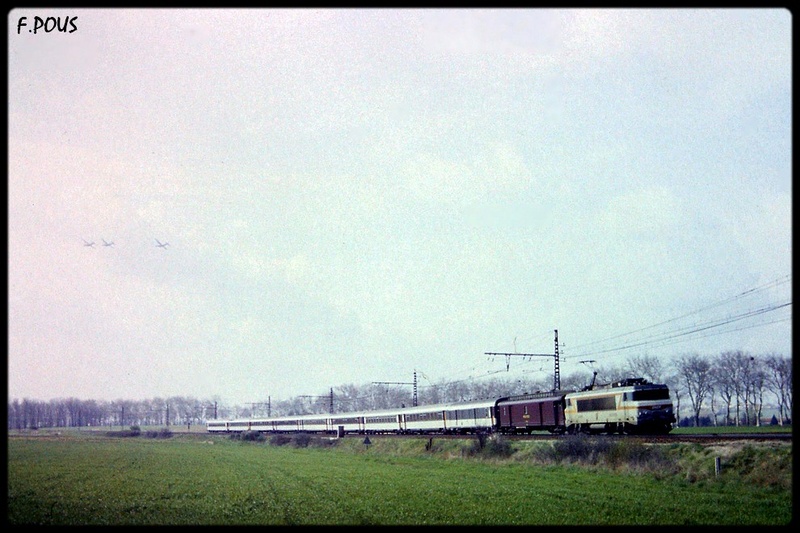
x,y
355,195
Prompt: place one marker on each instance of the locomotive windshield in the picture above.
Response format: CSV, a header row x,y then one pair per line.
x,y
650,394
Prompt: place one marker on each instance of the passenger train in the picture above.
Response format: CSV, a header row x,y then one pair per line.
x,y
629,406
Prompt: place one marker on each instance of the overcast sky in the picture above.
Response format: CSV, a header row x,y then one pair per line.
x,y
352,195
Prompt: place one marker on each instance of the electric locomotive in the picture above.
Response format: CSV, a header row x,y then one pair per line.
x,y
631,405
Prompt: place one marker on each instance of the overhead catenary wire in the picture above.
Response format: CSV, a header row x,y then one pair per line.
x,y
746,293
728,323
646,339
677,334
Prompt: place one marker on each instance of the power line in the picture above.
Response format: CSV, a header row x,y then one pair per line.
x,y
556,368
707,328
684,333
413,383
749,292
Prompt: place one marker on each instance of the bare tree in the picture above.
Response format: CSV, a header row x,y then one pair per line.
x,y
350,398
649,367
779,381
676,389
734,369
576,380
453,391
712,397
431,394
694,372
749,372
758,385
611,373
15,415
723,384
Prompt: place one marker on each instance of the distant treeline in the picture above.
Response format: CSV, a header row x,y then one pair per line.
x,y
732,388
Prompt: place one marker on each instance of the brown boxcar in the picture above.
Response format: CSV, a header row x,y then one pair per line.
x,y
531,412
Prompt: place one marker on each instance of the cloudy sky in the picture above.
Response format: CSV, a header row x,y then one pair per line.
x,y
353,195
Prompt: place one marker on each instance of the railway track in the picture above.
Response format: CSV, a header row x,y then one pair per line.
x,y
704,438
709,438
700,438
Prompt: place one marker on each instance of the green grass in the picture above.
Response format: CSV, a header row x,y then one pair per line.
x,y
189,480
731,429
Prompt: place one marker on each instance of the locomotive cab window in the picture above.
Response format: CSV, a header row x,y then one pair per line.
x,y
649,395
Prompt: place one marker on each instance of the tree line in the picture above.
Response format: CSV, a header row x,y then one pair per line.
x,y
73,412
731,388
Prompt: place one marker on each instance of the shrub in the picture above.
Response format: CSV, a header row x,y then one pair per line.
x,y
497,446
433,446
251,436
301,440
638,455
578,448
321,442
488,446
760,466
612,453
163,433
474,447
122,433
136,430
279,440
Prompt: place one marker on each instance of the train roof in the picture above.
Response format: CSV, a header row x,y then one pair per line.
x,y
427,408
468,404
553,394
629,384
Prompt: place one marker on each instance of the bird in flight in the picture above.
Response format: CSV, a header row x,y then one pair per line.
x,y
108,243
87,243
162,244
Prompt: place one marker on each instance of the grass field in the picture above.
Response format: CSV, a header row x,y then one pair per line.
x,y
211,480
731,430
